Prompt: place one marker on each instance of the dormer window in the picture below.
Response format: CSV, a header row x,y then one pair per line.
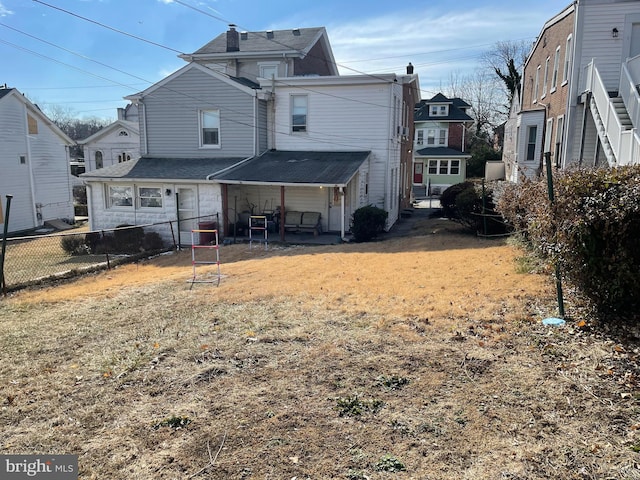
x,y
439,110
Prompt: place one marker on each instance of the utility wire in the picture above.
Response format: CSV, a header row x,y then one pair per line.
x,y
108,27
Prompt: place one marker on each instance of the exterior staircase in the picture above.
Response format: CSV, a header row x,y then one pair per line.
x,y
617,116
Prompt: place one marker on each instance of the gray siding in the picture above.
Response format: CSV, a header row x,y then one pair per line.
x,y
172,117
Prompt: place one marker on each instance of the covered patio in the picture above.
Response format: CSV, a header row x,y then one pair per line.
x,y
327,184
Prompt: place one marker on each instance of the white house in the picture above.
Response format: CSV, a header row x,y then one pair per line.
x,y
34,155
116,143
579,100
259,121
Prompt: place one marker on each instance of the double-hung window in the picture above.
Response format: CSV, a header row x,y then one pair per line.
x,y
567,60
536,86
546,77
437,137
210,128
420,137
299,106
532,134
556,67
150,197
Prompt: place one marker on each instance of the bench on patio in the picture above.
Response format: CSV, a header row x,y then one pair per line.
x,y
295,221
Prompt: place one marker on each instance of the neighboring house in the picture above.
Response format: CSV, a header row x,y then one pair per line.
x,y
255,122
439,158
116,143
34,154
579,100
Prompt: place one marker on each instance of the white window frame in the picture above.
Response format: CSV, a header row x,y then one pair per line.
x,y
98,155
439,110
145,202
444,167
559,135
440,137
420,136
109,200
545,80
567,59
548,133
529,143
201,123
299,127
263,67
556,68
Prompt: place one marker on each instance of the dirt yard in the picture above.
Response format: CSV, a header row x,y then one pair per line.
x,y
421,357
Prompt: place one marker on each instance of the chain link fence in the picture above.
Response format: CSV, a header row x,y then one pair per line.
x,y
31,260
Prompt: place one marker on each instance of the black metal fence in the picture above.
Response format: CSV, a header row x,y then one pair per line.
x,y
30,260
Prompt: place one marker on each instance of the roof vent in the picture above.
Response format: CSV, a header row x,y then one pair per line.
x,y
296,31
244,35
269,33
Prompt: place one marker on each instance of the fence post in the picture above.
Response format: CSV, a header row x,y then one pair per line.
x,y
547,157
4,243
178,219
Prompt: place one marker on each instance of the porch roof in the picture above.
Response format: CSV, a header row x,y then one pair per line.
x,y
153,168
296,168
441,152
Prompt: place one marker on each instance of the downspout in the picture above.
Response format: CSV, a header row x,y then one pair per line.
x,y
255,123
32,183
145,140
90,205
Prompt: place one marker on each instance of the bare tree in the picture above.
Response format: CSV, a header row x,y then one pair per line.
x,y
506,59
481,90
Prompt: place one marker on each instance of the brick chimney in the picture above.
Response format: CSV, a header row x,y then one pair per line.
x,y
409,69
233,39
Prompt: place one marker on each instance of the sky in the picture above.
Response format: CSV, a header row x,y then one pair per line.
x,y
84,56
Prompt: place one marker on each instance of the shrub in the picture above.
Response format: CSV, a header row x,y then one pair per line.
x,y
152,241
128,239
367,222
592,231
74,245
92,240
463,203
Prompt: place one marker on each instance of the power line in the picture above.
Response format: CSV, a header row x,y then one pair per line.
x,y
108,27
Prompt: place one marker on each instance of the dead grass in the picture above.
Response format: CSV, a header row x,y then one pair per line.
x,y
434,339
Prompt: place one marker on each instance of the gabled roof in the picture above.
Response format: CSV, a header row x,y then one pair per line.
x,y
242,84
117,125
297,41
297,168
292,43
441,152
35,110
150,168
